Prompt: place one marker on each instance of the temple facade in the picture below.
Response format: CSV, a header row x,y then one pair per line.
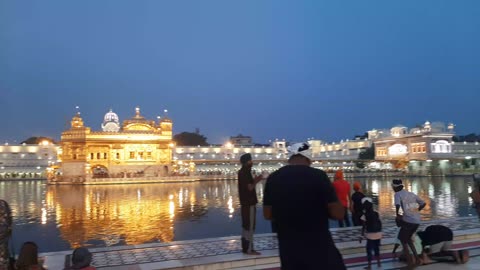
x,y
136,148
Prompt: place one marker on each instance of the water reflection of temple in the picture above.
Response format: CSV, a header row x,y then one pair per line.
x,y
132,215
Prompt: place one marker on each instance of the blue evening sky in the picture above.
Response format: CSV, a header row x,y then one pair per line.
x,y
269,69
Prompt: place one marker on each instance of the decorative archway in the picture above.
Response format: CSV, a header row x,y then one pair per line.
x,y
99,171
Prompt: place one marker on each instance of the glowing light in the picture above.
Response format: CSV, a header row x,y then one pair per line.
x,y
374,187
44,216
397,149
171,209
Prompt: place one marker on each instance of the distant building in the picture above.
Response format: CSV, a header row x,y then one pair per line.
x,y
26,161
426,148
241,140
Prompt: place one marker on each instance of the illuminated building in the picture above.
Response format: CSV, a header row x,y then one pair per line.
x,y
426,149
137,148
26,161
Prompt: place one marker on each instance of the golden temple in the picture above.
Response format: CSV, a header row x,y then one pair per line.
x,y
137,148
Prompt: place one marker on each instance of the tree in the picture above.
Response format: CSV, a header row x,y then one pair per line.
x,y
368,154
190,139
37,140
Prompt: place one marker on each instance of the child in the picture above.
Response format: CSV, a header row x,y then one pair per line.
x,y
372,230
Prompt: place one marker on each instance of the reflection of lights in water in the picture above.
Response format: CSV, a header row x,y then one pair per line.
x,y
230,206
87,204
44,215
414,188
431,191
180,198
374,187
170,197
139,195
171,209
469,189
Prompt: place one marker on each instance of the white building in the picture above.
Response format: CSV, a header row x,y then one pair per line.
x,y
26,161
426,149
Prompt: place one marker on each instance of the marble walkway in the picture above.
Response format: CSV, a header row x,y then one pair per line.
x,y
165,255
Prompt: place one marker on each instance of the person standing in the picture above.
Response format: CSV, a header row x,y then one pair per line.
x,y
5,233
342,188
372,231
301,199
248,202
409,222
356,206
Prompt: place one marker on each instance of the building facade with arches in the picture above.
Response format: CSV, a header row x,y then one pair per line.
x,y
138,147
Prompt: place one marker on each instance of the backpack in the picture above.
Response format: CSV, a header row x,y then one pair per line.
x,y
373,223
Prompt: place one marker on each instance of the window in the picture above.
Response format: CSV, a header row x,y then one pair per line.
x,y
149,155
98,156
381,151
441,146
117,156
140,155
92,156
74,156
105,155
132,155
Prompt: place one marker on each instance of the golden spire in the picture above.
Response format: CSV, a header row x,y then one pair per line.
x,y
77,121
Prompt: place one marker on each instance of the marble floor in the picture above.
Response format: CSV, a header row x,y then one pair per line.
x,y
206,250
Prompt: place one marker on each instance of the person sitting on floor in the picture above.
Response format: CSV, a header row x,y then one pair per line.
x,y
28,258
437,243
81,260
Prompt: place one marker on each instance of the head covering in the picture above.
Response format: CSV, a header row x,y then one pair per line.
x,y
81,257
367,199
397,183
245,158
357,186
300,149
338,175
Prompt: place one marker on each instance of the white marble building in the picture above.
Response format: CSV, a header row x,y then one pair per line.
x,y
26,161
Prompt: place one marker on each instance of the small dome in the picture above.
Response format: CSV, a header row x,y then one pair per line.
x,y
111,117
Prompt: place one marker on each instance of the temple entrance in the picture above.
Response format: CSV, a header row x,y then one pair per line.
x,y
99,171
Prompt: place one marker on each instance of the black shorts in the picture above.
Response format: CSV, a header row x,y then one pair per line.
x,y
406,231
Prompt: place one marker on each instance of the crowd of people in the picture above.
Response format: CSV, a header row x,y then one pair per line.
x,y
299,201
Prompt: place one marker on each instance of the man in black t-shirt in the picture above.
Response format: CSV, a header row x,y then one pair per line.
x,y
248,202
300,200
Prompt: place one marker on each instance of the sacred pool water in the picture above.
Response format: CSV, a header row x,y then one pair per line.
x,y
62,217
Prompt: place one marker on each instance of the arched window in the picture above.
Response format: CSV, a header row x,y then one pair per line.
x,y
397,149
441,146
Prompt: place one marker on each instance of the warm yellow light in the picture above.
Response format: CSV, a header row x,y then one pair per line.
x,y
44,143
